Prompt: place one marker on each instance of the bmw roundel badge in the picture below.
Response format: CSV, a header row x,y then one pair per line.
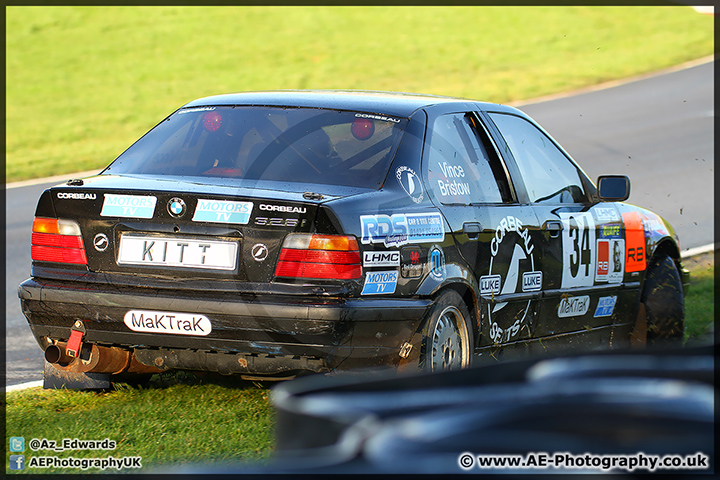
x,y
176,207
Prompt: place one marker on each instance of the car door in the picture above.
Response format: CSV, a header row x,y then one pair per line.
x,y
579,242
468,180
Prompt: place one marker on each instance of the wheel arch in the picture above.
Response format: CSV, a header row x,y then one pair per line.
x,y
665,247
468,296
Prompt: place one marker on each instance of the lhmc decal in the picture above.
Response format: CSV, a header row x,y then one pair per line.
x,y
381,259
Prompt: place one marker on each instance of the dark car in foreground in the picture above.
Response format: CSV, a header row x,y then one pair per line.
x,y
270,234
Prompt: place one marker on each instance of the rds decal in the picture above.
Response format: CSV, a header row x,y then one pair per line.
x,y
400,229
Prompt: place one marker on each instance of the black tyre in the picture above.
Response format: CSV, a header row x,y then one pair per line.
x,y
448,339
664,303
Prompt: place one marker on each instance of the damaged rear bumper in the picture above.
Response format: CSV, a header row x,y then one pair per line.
x,y
251,333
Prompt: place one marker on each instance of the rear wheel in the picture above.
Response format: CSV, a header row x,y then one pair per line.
x,y
664,304
448,335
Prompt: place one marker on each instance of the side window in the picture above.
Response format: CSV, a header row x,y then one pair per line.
x,y
548,174
458,166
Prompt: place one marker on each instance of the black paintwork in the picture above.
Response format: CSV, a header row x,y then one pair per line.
x,y
254,313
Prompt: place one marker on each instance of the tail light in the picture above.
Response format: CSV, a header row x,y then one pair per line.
x,y
327,257
57,240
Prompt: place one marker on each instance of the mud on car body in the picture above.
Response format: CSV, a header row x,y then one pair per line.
x,y
274,233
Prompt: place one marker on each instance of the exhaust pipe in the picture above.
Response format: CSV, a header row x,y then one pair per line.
x,y
112,360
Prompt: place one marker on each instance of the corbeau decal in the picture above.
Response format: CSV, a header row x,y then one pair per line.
x,y
511,246
377,117
222,211
578,249
401,229
605,306
196,109
76,196
101,242
133,206
282,208
634,242
381,259
167,322
377,283
410,182
259,252
573,306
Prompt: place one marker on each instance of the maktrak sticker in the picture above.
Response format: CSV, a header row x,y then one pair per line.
x,y
573,306
167,322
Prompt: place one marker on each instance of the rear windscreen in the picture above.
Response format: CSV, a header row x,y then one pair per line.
x,y
304,145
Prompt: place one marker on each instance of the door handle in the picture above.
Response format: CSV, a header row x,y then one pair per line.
x,y
472,230
554,227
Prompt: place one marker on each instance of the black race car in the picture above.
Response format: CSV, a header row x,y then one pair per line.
x,y
273,233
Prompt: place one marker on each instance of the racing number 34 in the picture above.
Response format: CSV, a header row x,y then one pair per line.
x,y
578,252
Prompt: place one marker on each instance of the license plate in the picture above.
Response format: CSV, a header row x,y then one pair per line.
x,y
177,252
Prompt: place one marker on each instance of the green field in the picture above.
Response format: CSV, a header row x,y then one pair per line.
x,y
83,83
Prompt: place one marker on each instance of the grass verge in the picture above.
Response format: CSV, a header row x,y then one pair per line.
x,y
182,418
83,83
700,300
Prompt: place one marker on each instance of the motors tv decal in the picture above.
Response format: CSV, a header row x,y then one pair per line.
x,y
377,283
130,206
222,211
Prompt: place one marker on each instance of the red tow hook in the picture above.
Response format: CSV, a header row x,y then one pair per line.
x,y
75,342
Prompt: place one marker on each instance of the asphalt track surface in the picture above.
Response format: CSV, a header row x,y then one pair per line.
x,y
657,130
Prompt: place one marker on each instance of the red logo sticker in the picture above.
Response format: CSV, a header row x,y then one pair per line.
x,y
634,242
603,258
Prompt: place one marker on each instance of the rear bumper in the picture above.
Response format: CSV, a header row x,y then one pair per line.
x,y
263,334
